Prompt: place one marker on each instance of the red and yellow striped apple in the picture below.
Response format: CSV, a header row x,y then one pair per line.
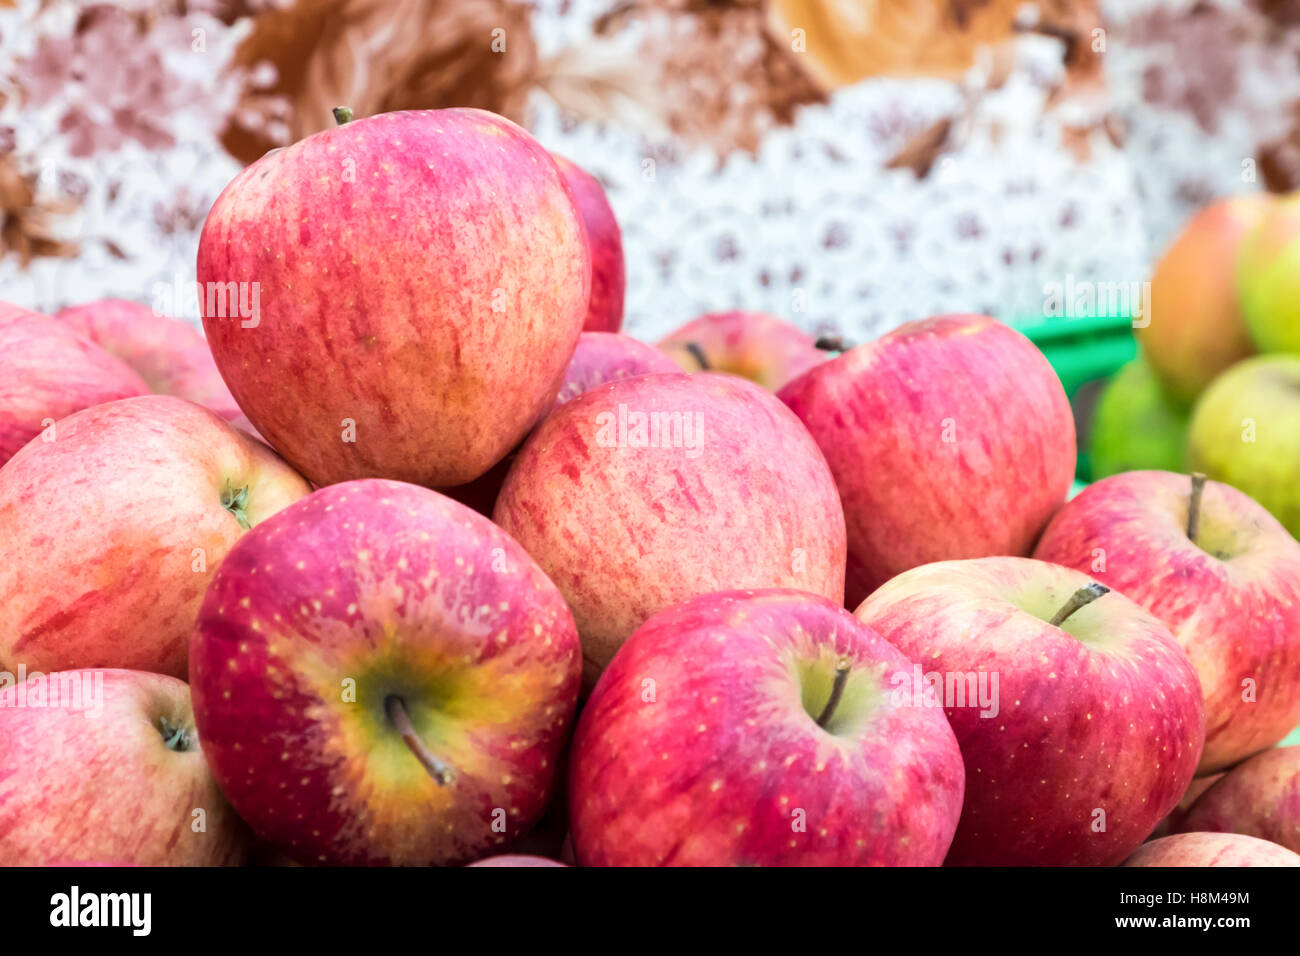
x,y
420,277
382,676
1259,797
605,239
760,728
753,345
1212,849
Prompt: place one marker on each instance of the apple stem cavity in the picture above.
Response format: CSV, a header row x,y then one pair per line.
x,y
697,353
1194,506
395,708
174,736
342,115
837,691
236,502
1084,596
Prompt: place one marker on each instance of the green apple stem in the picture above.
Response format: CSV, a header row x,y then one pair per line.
x,y
236,502
1194,506
1085,595
837,691
831,343
342,114
395,708
174,736
697,353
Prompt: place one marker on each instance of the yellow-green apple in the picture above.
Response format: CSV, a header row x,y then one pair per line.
x,y
753,345
1259,797
106,765
948,438
1212,849
650,490
382,676
1245,430
1220,572
1135,425
170,355
1195,328
600,357
113,528
410,289
608,282
1268,275
761,728
1099,722
47,372
517,860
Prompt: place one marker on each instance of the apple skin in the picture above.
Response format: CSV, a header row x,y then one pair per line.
x,y
170,355
47,372
518,860
80,785
116,527
1104,713
948,438
1196,329
1259,797
608,278
1237,618
423,275
1268,275
407,593
600,357
753,345
1245,431
1135,425
713,767
1212,849
627,531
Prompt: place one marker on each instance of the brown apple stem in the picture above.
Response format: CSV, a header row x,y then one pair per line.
x,y
1194,506
831,343
837,691
342,114
395,708
697,353
1085,595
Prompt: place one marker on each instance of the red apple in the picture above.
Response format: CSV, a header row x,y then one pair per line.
x,y
382,676
411,287
650,490
1195,329
753,345
599,358
1260,797
1212,849
48,371
112,531
948,438
105,765
170,355
608,283
1230,592
517,860
760,728
1097,721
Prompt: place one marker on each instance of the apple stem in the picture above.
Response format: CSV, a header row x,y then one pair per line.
x,y
174,737
236,502
837,691
395,708
697,353
831,343
1085,595
1194,506
342,115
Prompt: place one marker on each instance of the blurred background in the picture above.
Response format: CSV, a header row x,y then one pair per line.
x,y
845,164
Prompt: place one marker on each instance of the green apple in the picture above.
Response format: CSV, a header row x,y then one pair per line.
x,y
1268,278
1245,431
1136,426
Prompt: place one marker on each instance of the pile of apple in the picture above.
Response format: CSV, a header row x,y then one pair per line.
x,y
243,625
1216,385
